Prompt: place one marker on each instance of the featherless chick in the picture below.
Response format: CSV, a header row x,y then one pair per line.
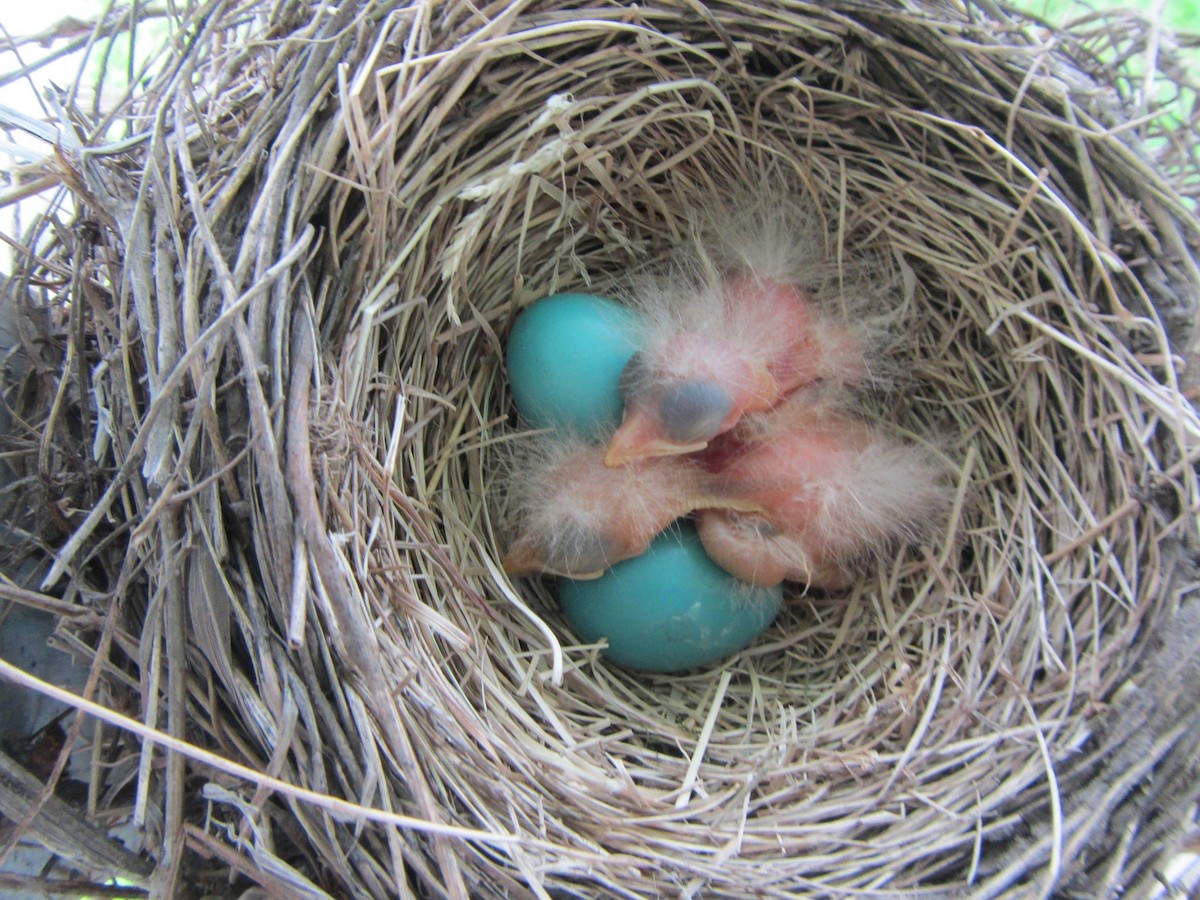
x,y
732,332
809,491
576,517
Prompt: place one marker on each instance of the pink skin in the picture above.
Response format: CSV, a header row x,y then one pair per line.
x,y
791,474
822,490
808,347
789,322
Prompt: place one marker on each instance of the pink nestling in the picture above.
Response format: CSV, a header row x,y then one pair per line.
x,y
571,515
729,333
817,491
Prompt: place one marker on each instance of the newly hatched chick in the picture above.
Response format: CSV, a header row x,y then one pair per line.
x,y
730,333
576,517
826,490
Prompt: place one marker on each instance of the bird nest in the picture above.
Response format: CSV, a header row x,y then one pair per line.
x,y
259,446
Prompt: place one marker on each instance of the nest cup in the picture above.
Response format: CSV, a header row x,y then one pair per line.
x,y
289,324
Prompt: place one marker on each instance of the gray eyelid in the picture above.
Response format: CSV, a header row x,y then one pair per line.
x,y
693,411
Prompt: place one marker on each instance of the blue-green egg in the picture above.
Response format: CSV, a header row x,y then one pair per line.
x,y
565,357
671,608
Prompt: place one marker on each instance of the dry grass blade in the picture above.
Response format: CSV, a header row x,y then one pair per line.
x,y
56,824
261,438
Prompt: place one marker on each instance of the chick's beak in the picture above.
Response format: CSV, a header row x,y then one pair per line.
x,y
524,558
641,437
765,390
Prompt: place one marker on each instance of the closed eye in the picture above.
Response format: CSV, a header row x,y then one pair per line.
x,y
693,411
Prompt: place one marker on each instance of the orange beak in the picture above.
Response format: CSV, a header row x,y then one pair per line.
x,y
765,392
524,558
640,437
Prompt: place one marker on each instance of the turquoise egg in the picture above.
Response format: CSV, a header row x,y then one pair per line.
x,y
565,357
669,609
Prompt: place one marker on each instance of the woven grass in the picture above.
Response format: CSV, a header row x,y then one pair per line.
x,y
260,454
